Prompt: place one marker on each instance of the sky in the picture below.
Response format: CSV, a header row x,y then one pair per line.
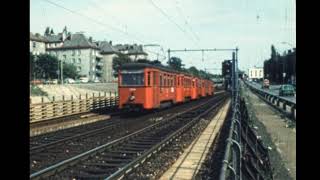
x,y
251,25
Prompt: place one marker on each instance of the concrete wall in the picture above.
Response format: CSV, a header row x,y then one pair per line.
x,y
83,59
40,47
107,75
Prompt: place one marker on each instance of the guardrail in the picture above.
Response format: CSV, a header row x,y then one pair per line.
x,y
55,109
245,155
231,168
286,106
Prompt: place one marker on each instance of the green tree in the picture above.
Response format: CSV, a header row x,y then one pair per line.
x,y
175,63
143,61
194,71
156,63
203,74
32,65
70,71
273,52
51,32
46,66
118,61
47,32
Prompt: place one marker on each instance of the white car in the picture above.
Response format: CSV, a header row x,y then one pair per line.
x,y
70,81
84,80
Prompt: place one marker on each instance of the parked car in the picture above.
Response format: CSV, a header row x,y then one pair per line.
x,y
265,84
84,79
69,81
286,90
51,81
37,82
54,81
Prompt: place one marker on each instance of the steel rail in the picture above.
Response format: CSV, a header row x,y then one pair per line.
x,y
69,162
134,164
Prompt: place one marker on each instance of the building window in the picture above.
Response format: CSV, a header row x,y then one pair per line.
x,y
33,44
79,52
64,57
73,60
79,60
73,52
79,68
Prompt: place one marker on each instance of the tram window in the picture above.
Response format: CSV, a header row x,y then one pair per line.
x,y
165,80
148,78
133,79
154,78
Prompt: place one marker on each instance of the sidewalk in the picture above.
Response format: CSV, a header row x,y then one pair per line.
x,y
278,130
189,163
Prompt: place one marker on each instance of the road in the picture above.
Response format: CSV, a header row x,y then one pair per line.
x,y
274,89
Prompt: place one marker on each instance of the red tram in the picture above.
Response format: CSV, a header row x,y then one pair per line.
x,y
145,86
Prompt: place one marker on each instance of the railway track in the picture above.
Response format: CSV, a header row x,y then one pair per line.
x,y
51,148
114,158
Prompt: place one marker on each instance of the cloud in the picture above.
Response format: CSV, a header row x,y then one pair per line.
x,y
218,24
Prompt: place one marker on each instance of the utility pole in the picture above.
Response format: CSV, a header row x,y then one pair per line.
x,y
233,79
61,71
58,71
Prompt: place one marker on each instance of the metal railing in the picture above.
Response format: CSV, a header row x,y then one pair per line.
x,y
245,156
231,168
284,105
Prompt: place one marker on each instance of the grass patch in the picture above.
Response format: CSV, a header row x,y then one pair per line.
x,y
36,91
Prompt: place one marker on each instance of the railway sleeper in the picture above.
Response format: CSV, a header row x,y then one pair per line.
x,y
95,170
116,155
138,143
85,176
114,161
139,146
138,149
149,139
123,151
104,165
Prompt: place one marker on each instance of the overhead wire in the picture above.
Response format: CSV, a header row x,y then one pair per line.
x,y
171,20
97,22
186,21
93,20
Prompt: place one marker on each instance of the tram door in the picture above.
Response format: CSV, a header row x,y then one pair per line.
x,y
156,88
